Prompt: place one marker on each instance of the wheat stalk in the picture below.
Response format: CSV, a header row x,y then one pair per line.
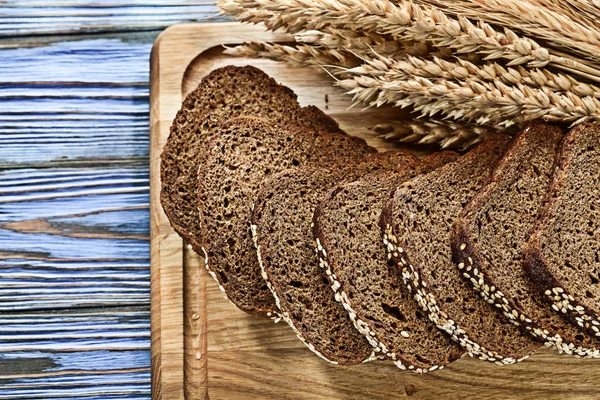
x,y
391,69
543,23
360,43
299,56
445,134
404,21
484,103
582,10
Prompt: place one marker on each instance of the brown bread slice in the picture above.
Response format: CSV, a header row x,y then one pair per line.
x,y
493,228
281,223
225,93
246,151
562,256
417,225
346,229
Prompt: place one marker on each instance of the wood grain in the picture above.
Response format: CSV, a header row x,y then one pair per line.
x,y
248,358
74,214
28,18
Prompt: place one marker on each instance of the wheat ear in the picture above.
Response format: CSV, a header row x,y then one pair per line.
x,y
582,10
391,69
300,55
370,43
483,103
534,20
404,21
445,134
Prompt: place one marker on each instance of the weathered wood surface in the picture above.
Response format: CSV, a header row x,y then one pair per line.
x,y
242,357
74,195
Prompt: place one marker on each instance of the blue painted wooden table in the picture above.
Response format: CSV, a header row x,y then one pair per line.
x,y
74,245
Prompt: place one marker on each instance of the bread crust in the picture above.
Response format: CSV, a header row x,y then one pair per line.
x,y
245,152
418,281
559,298
282,232
550,329
417,359
201,112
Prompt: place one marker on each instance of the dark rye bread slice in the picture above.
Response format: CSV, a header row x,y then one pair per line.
x,y
417,226
223,94
346,230
494,226
281,226
246,151
562,256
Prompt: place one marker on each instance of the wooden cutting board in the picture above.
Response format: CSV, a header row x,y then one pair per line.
x,y
204,346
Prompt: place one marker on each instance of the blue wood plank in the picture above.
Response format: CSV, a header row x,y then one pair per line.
x,y
36,18
74,250
87,60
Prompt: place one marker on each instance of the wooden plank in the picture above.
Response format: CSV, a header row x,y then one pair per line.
x,y
36,18
73,238
60,367
250,358
195,369
74,264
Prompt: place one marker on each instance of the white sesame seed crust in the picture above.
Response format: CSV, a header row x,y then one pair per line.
x,y
284,314
363,327
494,296
563,302
271,314
428,302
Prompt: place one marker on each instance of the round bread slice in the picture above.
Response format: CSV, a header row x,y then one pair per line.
x,y
562,257
493,228
281,226
346,229
417,225
223,94
236,161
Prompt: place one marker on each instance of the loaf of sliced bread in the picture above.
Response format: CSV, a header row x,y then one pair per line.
x,y
281,225
417,225
346,230
562,256
494,226
235,162
225,93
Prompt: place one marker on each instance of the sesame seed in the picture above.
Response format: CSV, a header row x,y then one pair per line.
x,y
404,334
461,265
463,246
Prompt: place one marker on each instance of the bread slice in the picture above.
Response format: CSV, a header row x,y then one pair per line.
x,y
493,228
417,224
346,230
237,159
562,256
281,226
225,93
